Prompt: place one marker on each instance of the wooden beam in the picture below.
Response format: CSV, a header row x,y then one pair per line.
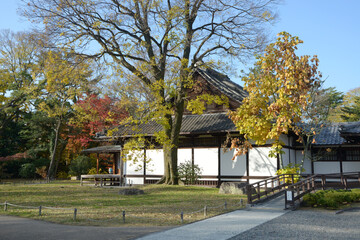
x,y
97,163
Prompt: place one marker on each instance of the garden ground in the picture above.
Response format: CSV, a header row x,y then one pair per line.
x,y
160,205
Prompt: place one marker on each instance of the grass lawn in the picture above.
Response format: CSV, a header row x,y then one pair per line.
x,y
160,205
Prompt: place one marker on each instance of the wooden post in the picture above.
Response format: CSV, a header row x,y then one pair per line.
x,y
205,211
97,163
266,188
40,210
225,205
5,206
182,216
323,181
248,192
345,183
123,215
75,212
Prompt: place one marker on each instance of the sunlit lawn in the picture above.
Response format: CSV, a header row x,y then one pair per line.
x,y
160,205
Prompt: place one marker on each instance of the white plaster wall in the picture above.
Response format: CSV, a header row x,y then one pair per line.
x,y
207,160
285,157
292,156
228,167
184,154
155,162
135,165
260,164
351,167
307,162
326,167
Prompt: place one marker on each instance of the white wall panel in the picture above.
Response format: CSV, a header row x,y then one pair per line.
x,y
236,167
155,164
326,167
351,167
184,155
207,159
134,163
307,162
260,164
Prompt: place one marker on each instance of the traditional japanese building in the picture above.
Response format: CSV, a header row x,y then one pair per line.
x,y
203,136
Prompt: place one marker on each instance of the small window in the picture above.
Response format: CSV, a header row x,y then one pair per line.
x,y
326,154
352,154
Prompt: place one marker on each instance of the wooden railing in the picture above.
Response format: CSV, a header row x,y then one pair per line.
x,y
296,191
268,187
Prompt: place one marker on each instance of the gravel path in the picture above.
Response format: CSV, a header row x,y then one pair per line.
x,y
307,224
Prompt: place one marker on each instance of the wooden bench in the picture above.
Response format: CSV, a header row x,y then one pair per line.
x,y
101,180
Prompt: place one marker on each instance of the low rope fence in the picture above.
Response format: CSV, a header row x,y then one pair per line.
x,y
125,215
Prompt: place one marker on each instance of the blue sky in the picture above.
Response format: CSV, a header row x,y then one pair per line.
x,y
329,29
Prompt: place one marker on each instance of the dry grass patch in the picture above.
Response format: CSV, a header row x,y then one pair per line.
x,y
160,205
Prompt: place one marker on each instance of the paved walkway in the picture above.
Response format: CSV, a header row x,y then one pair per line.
x,y
224,226
15,228
220,227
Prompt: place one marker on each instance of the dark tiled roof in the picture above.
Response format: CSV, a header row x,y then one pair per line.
x,y
350,128
330,135
103,149
192,124
223,83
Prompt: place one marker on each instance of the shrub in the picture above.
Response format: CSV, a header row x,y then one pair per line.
x,y
62,175
93,171
27,170
189,173
80,165
41,171
330,198
291,169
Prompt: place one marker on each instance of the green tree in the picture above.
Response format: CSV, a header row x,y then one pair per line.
x,y
66,77
279,90
348,109
159,42
19,55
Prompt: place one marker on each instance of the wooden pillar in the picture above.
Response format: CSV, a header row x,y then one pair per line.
x,y
339,157
247,166
121,170
219,162
114,165
144,165
97,163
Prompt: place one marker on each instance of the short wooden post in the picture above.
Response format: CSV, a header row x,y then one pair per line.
x,y
258,191
225,205
123,215
266,188
205,211
323,181
182,216
40,210
75,212
345,183
5,206
248,192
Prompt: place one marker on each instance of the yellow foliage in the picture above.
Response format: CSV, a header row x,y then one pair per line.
x,y
278,88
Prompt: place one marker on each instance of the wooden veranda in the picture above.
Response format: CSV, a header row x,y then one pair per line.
x,y
115,178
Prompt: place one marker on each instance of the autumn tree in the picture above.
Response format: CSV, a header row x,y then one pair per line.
x,y
93,114
279,91
159,42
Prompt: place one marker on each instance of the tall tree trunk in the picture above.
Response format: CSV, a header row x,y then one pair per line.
x,y
170,148
51,171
